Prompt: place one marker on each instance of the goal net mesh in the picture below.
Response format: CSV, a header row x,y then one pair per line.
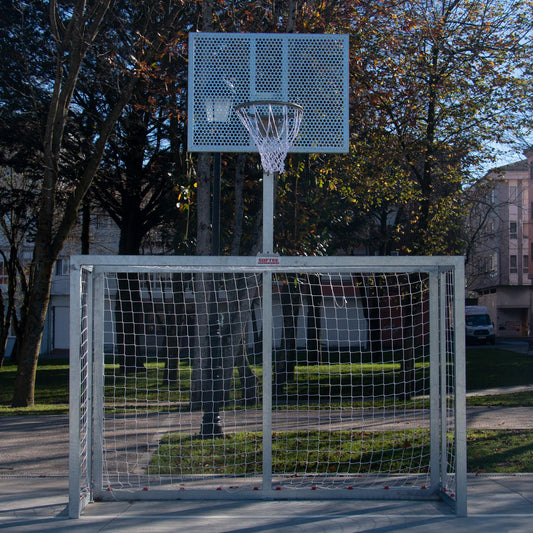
x,y
357,394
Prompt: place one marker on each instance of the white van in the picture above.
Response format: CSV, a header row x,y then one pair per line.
x,y
479,326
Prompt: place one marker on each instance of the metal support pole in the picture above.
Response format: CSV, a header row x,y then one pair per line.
x,y
97,460
268,248
267,384
436,339
75,477
460,389
268,212
213,395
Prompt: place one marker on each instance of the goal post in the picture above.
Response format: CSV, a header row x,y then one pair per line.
x,y
267,377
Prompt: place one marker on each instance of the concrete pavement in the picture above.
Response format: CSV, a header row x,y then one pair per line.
x,y
495,504
34,495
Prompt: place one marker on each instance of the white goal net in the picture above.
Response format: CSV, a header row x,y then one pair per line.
x,y
289,377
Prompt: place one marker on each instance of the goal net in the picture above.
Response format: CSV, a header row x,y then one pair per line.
x,y
267,377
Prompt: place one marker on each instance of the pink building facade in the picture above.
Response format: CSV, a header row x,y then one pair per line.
x,y
500,263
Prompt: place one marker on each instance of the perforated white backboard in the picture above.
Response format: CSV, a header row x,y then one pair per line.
x,y
227,69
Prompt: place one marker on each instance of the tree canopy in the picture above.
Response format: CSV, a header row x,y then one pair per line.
x,y
93,98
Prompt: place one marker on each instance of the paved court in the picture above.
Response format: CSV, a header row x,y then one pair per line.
x,y
34,495
496,504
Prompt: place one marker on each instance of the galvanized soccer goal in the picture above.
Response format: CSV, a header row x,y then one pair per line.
x,y
267,377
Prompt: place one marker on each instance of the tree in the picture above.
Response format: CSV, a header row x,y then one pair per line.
x,y
136,186
443,79
433,86
17,221
73,28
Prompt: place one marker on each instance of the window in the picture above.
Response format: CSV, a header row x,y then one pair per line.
x,y
525,264
62,267
513,264
513,230
490,227
493,265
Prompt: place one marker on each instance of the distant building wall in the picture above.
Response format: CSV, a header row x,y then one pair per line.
x,y
500,268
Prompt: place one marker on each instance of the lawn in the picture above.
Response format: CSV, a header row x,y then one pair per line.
x,y
324,452
492,367
491,451
320,452
485,368
51,388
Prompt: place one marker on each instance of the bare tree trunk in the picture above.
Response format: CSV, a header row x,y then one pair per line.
x,y
202,371
238,218
241,291
24,387
7,308
129,319
369,291
203,247
174,325
86,226
313,320
5,321
407,309
202,288
18,321
284,367
291,18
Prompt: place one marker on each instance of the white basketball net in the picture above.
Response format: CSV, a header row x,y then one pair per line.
x,y
273,127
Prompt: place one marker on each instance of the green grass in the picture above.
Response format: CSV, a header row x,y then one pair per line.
x,y
51,388
37,409
146,386
500,451
515,399
314,383
319,452
492,367
490,451
325,452
485,367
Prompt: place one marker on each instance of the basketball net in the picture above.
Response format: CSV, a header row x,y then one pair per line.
x,y
273,127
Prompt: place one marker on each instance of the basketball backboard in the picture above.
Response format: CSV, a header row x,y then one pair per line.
x,y
228,69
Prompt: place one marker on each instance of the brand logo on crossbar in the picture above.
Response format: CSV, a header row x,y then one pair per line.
x,y
268,260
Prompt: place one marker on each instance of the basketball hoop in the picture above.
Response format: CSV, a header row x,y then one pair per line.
x,y
273,127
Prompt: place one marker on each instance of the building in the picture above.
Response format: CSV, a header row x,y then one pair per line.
x,y
342,322
499,267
